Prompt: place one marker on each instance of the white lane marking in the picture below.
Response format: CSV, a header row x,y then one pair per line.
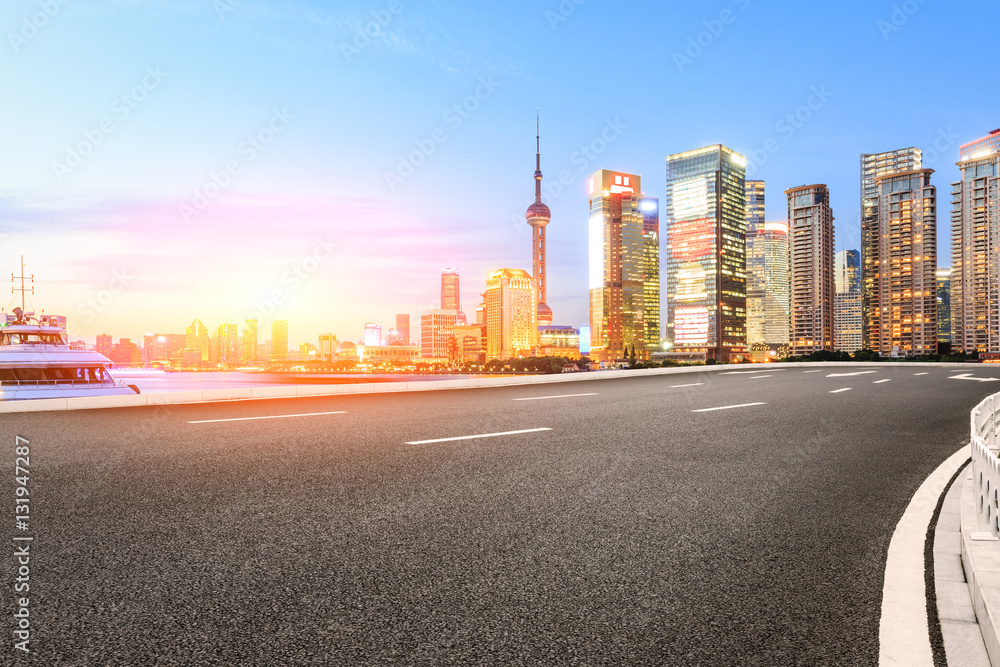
x,y
540,398
473,437
759,377
695,384
812,371
728,407
776,370
246,419
881,381
968,376
844,375
902,633
921,373
837,391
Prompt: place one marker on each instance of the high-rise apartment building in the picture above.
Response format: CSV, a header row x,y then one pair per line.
x,y
810,269
451,295
511,314
538,216
903,284
279,340
618,265
225,347
975,247
872,166
705,211
105,345
436,328
251,341
944,305
847,307
403,328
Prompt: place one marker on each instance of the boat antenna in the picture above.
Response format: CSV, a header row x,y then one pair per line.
x,y
22,289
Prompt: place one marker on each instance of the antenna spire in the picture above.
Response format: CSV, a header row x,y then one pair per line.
x,y
538,160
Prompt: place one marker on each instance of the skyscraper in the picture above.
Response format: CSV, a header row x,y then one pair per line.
x,y
197,339
944,306
975,263
872,166
810,269
251,341
451,296
436,328
225,344
403,328
847,307
650,207
373,334
538,216
706,252
105,345
279,340
767,281
511,314
618,265
903,284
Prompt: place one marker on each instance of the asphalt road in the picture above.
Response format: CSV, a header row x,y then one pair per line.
x,y
635,531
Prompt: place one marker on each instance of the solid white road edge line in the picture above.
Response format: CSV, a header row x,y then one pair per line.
x,y
902,632
728,407
539,398
246,419
473,437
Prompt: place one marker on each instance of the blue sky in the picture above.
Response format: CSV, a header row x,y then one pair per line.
x,y
243,138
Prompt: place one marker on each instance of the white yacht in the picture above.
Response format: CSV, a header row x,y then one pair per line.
x,y
36,361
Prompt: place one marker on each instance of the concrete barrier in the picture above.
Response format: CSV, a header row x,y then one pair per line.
x,y
287,391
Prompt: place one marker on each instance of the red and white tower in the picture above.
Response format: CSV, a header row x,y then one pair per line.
x,y
538,216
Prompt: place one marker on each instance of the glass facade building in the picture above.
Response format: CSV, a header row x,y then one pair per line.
x,y
872,166
847,308
705,211
623,237
975,247
511,314
944,305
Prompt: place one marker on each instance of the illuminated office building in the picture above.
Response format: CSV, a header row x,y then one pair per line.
x,y
705,213
650,208
225,346
872,166
559,341
436,328
975,262
767,273
403,328
279,340
327,348
810,269
538,216
903,285
251,341
511,314
451,295
198,340
373,334
104,345
944,305
620,260
847,305
470,343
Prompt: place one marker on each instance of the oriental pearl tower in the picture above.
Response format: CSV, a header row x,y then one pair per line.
x,y
538,216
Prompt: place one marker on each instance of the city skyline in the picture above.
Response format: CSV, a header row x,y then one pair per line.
x,y
126,241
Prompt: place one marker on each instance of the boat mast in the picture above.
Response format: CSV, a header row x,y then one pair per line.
x,y
22,289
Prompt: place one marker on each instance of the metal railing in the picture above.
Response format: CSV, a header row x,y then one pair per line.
x,y
986,465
